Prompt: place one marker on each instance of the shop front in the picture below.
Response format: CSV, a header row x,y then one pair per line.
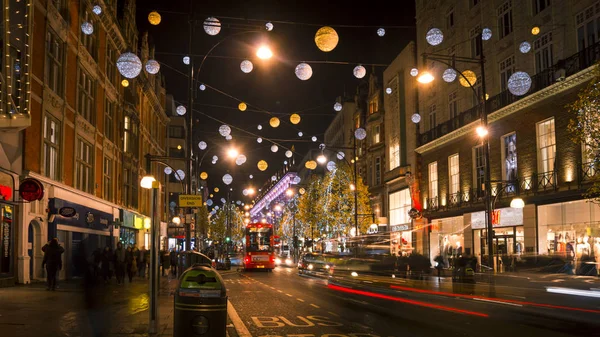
x,y
401,240
401,235
7,230
134,230
447,239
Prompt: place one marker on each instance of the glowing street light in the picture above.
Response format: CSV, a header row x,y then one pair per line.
x,y
289,192
321,159
232,153
147,182
425,77
482,131
277,208
176,220
352,187
264,53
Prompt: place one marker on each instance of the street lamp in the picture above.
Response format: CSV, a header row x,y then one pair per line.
x,y
232,153
425,77
264,53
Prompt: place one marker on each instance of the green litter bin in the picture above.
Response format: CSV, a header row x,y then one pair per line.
x,y
200,304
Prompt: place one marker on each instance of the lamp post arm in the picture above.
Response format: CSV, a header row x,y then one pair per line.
x,y
434,57
150,159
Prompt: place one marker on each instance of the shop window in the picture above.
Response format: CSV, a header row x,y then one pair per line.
x,y
546,143
509,157
454,173
51,147
505,24
399,205
7,237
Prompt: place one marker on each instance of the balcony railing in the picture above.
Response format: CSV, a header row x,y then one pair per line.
x,y
562,69
589,171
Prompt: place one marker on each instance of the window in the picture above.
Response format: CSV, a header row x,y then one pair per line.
x,y
54,62
475,45
507,68
543,52
109,117
130,136
588,27
540,5
400,203
84,174
377,171
89,41
177,153
509,156
394,156
450,18
433,180
505,25
51,147
453,105
107,184
176,132
373,106
126,187
432,117
126,134
59,5
479,167
111,63
546,143
473,3
454,173
590,157
86,92
376,134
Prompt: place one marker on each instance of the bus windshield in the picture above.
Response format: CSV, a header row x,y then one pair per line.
x,y
258,239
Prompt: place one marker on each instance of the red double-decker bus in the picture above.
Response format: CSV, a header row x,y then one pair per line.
x,y
259,252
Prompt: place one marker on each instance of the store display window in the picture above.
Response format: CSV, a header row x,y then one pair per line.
x,y
447,240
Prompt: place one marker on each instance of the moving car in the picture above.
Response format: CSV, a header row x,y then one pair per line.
x,y
313,264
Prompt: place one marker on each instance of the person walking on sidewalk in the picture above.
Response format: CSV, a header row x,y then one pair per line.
x,y
164,262
119,262
141,262
173,258
105,261
131,263
52,261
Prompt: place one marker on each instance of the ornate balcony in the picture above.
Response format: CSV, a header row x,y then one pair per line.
x,y
14,122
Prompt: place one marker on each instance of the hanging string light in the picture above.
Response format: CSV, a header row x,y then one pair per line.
x,y
274,122
129,65
326,39
269,26
380,32
152,67
87,28
295,119
154,18
359,71
246,66
212,26
303,71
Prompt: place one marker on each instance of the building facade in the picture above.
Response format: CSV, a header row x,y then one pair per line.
x,y
532,154
375,147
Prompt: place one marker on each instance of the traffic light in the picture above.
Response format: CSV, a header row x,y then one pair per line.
x,y
227,239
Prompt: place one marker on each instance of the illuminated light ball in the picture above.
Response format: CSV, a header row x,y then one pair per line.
x,y
186,60
223,200
303,71
314,138
240,159
449,75
296,180
486,34
381,32
215,158
242,106
274,148
273,178
295,118
227,179
87,28
179,175
212,26
360,133
202,145
359,71
274,122
311,165
228,137
181,110
238,202
434,36
97,9
154,18
535,30
259,127
259,140
288,154
469,76
217,208
414,72
388,91
250,176
246,66
415,118
524,47
301,190
216,190
326,39
519,83
214,162
331,166
285,162
209,202
125,83
262,165
340,155
202,87
224,130
203,175
269,26
129,65
245,192
168,170
300,134
152,67
337,106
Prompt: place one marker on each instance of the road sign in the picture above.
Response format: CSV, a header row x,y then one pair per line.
x,y
190,200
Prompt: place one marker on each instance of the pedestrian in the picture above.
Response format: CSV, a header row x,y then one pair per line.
x,y
131,263
52,261
119,262
96,259
105,261
173,259
164,261
147,260
142,262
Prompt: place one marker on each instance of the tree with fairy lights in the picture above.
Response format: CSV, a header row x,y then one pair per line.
x,y
309,218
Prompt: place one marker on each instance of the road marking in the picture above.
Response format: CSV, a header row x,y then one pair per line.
x,y
240,328
316,306
290,295
499,302
334,314
299,299
280,291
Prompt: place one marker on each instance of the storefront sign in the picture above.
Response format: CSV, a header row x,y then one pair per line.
x,y
128,219
77,215
398,228
503,217
31,189
67,212
6,192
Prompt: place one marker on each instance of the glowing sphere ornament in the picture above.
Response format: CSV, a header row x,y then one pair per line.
x,y
216,189
241,159
314,138
300,134
295,119
152,67
340,155
212,26
202,87
154,18
519,83
246,66
434,36
228,137
186,60
274,122
224,130
388,91
414,72
129,65
250,176
311,165
168,170
259,140
303,71
227,179
242,106
415,118
449,75
209,202
338,106
469,76
125,83
535,30
87,28
359,71
203,175
181,110
97,9
269,26
486,34
179,175
202,145
273,178
360,133
326,39
331,166
274,148
381,32
524,47
262,165
288,154
245,192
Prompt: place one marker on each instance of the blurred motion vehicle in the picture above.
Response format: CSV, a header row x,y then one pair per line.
x,y
311,263
284,260
259,250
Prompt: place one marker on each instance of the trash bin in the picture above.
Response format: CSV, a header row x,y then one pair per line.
x,y
200,303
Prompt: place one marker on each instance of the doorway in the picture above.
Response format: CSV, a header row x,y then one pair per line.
x,y
34,250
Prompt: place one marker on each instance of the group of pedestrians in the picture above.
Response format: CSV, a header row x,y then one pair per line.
x,y
121,262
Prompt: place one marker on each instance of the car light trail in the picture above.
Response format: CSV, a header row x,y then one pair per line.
x,y
576,292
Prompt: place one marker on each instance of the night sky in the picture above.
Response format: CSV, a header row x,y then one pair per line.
x,y
272,88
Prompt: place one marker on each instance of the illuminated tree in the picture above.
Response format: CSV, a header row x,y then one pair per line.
x,y
309,217
218,223
202,222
